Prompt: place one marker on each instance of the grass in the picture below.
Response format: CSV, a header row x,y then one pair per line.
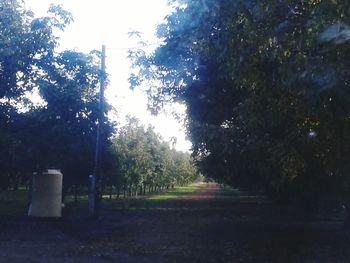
x,y
70,199
174,193
13,203
227,230
154,200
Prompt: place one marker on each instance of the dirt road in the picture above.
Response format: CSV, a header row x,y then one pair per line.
x,y
210,225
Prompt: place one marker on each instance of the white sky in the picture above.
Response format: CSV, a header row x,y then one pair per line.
x,y
98,22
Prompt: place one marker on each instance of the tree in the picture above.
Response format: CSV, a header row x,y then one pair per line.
x,y
132,156
61,132
267,100
145,161
26,44
68,122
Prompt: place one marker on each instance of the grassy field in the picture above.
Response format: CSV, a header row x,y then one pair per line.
x,y
197,223
15,203
152,201
175,193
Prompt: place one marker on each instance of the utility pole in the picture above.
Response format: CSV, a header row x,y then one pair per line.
x,y
95,178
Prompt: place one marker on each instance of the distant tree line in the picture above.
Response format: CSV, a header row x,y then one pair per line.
x,y
266,84
59,130
146,163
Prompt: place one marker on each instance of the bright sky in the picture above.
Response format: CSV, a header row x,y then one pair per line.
x,y
107,22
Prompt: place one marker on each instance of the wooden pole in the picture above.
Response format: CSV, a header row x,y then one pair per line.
x,y
95,178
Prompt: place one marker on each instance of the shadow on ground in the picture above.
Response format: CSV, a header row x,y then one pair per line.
x,y
211,225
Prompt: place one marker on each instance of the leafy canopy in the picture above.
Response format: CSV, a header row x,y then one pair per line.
x,y
266,88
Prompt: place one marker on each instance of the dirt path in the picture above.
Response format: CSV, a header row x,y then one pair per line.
x,y
209,226
206,192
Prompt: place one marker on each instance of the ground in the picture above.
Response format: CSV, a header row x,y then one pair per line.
x,y
209,225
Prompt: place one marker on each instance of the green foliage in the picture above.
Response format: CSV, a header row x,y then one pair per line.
x,y
26,44
145,161
61,132
266,88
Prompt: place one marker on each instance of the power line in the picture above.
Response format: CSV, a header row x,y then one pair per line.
x,y
135,47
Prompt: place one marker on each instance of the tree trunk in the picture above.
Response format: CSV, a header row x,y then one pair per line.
x,y
64,193
347,220
110,192
130,190
16,182
75,194
102,190
30,189
118,192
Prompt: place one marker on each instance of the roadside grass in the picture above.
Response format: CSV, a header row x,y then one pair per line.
x,y
13,203
70,199
149,201
174,193
242,196
154,200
